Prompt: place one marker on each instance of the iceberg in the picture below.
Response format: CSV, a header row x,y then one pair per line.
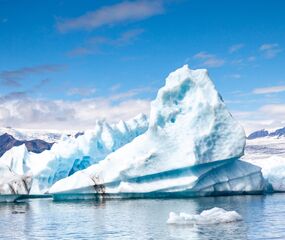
x,y
12,183
212,216
72,154
192,147
269,154
273,170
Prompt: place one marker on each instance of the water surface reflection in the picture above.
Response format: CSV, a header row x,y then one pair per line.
x,y
140,219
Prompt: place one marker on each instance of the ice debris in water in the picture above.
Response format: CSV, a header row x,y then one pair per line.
x,y
212,216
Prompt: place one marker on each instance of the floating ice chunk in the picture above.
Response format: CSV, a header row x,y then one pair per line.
x,y
212,216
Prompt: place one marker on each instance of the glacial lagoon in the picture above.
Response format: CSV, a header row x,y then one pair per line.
x,y
263,218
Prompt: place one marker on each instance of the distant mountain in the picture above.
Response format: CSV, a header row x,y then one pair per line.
x,y
7,141
264,133
31,134
258,134
278,133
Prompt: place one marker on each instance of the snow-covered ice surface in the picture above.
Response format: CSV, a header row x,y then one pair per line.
x,y
212,216
192,145
32,134
72,154
269,154
12,183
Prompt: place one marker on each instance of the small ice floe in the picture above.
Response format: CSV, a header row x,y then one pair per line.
x,y
212,216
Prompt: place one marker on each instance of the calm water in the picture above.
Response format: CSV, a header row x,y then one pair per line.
x,y
141,219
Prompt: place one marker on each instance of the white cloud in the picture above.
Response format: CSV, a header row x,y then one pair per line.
x,y
131,93
209,60
114,14
268,90
251,58
274,110
123,39
238,62
270,116
115,87
84,92
73,115
19,110
236,48
81,51
93,45
236,76
13,77
270,50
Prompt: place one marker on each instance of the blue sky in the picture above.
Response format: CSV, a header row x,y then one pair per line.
x,y
64,64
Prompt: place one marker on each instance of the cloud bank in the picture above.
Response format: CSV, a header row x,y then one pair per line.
x,y
111,15
12,78
268,90
21,111
269,116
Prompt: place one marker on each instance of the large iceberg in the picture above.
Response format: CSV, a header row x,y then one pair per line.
x,y
72,153
192,147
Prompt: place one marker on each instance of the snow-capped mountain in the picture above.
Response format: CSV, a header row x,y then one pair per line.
x,y
35,140
8,141
265,133
49,136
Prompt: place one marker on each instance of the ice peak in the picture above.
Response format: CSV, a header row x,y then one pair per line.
x,y
185,92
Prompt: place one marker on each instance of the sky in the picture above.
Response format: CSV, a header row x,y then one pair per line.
x,y
65,64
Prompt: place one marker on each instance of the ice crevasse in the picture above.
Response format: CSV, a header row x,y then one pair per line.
x,y
192,147
72,154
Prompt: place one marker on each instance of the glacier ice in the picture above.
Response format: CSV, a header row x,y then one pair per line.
x,y
212,216
12,183
72,154
269,154
192,146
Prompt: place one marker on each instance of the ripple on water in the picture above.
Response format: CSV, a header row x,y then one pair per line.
x,y
141,219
